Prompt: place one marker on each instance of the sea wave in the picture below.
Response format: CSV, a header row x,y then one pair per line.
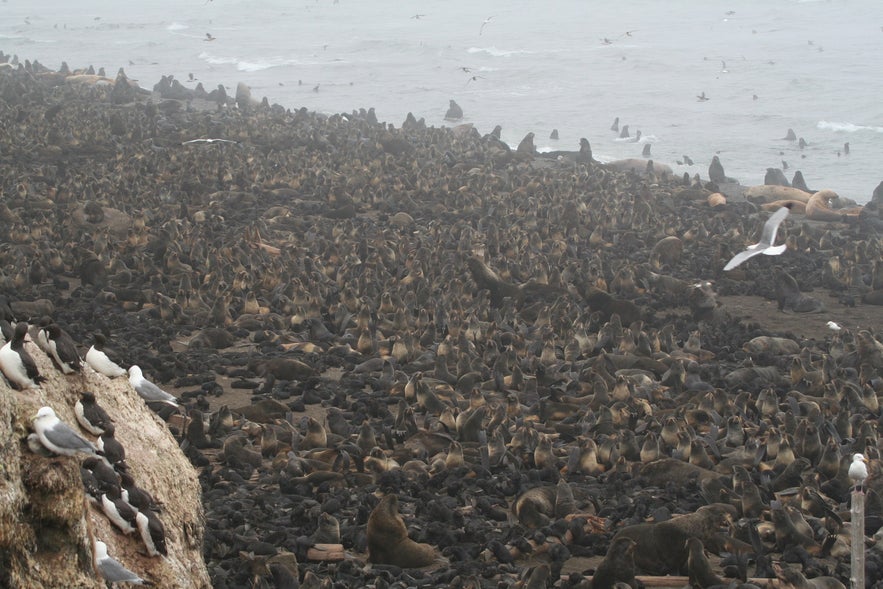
x,y
847,127
176,26
494,52
244,65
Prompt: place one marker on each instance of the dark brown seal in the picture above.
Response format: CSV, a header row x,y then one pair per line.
x,y
388,541
662,548
618,565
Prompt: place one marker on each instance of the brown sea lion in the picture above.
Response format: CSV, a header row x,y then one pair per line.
x,y
768,193
618,565
797,206
818,208
639,167
388,541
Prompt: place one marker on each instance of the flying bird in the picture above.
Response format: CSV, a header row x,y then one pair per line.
x,y
767,238
484,24
858,470
208,140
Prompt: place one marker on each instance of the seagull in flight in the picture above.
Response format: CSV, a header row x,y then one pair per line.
x,y
702,97
208,37
484,24
192,141
767,238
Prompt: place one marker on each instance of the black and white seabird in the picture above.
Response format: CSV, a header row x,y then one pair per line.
x,y
767,238
58,436
152,533
112,570
110,447
147,390
135,495
90,414
62,348
105,477
99,361
17,364
119,511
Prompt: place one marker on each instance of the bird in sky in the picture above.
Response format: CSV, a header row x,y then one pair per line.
x,y
484,24
767,238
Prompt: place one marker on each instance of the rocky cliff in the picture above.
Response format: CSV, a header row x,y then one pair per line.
x,y
47,523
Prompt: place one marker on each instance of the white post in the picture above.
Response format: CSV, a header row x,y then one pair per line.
x,y
857,577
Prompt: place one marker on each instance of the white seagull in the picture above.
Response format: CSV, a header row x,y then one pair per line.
x,y
858,470
112,570
767,238
208,140
484,24
147,390
833,326
58,436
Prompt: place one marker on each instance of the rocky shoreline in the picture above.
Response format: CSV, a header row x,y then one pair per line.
x,y
349,309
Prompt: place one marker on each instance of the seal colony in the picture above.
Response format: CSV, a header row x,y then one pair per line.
x,y
498,361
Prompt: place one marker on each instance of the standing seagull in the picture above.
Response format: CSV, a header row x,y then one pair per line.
x,y
767,238
858,471
58,436
99,361
147,390
111,569
16,363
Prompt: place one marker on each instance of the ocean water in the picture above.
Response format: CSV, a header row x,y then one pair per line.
x,y
571,65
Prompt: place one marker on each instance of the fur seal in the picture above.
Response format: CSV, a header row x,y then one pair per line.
x,y
618,565
698,568
388,541
788,294
454,112
662,548
775,177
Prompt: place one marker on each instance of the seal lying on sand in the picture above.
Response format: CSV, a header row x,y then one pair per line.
x,y
639,167
388,541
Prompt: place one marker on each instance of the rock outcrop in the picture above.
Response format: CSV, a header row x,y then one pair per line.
x,y
47,523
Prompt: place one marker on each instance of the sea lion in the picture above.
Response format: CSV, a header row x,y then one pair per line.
x,y
768,193
639,167
388,541
818,208
796,206
716,171
618,565
789,297
787,578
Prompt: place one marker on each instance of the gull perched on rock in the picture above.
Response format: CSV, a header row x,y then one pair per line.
x,y
767,238
858,470
147,390
112,570
59,437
